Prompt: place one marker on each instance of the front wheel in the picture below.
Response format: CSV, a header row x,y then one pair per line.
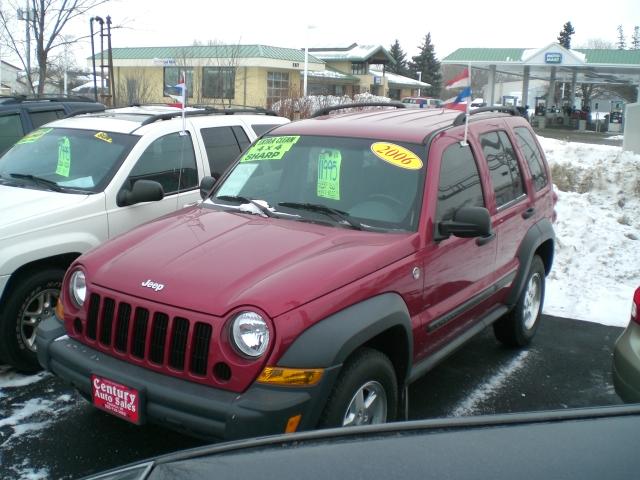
x,y
32,299
366,392
517,328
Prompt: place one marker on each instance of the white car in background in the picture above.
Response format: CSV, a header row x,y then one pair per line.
x,y
74,183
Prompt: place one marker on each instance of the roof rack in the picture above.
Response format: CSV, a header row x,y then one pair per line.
x,y
7,99
326,110
206,111
460,119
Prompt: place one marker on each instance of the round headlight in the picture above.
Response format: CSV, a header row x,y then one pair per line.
x,y
250,334
78,287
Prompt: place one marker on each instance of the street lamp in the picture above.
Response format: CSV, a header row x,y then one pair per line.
x,y
306,59
419,79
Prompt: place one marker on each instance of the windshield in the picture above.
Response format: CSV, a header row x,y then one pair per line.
x,y
361,183
65,159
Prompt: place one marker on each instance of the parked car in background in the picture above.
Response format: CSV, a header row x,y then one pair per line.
x,y
20,114
626,356
340,259
422,102
589,444
73,183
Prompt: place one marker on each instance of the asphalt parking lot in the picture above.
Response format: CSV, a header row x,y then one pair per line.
x,y
567,366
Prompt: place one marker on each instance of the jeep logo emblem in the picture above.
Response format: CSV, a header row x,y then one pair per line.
x,y
153,285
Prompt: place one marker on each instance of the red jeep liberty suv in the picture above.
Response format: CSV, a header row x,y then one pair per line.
x,y
337,261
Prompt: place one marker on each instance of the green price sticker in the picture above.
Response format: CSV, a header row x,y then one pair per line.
x,y
272,148
329,162
64,157
34,136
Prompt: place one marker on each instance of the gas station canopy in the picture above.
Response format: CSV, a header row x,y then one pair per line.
x,y
588,65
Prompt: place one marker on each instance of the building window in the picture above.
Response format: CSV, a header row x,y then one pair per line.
x,y
172,77
359,68
219,82
277,87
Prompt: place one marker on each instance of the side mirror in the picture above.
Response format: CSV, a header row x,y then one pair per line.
x,y
142,191
467,222
206,185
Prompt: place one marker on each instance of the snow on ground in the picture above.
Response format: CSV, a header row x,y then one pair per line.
x,y
597,258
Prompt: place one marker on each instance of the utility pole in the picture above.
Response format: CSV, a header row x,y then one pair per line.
x,y
26,16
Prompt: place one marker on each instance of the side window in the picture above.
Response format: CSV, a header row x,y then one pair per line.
x,y
532,155
40,118
261,128
10,131
459,184
503,167
223,146
169,160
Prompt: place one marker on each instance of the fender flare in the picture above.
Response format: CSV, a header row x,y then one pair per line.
x,y
536,235
330,341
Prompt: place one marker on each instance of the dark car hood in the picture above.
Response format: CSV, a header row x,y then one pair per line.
x,y
213,261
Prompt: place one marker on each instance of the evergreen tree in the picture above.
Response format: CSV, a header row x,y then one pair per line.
x,y
635,38
426,63
399,56
564,38
622,44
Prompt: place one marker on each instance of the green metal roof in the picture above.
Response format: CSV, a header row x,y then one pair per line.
x,y
592,56
211,51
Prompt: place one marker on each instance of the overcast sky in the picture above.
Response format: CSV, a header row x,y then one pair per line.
x,y
283,23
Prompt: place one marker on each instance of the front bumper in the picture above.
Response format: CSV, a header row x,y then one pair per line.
x,y
188,407
626,364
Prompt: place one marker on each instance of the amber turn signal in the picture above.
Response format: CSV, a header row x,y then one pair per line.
x,y
59,310
290,376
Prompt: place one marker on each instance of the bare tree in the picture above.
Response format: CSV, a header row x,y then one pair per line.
x,y
46,21
135,89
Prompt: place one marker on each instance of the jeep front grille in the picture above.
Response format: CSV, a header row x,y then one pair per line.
x,y
142,334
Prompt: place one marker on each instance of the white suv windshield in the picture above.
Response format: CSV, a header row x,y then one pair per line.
x,y
65,159
374,184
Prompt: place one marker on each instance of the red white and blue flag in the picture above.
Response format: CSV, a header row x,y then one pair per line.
x,y
459,81
460,101
182,88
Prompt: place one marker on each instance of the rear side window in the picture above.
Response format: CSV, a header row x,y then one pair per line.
x,y
40,118
10,131
223,145
532,155
503,167
459,184
170,161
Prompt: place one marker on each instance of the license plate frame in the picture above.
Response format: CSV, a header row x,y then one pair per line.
x,y
119,400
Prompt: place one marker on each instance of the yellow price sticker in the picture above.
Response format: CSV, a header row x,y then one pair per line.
x,y
272,148
34,136
104,137
396,155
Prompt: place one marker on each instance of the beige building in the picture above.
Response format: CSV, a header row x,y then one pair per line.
x,y
250,75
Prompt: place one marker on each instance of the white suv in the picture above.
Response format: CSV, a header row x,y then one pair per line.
x,y
76,182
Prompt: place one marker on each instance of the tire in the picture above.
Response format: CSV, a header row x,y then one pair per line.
x,y
518,327
366,392
32,299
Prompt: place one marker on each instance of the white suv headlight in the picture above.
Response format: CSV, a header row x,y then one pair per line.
x,y
78,288
250,334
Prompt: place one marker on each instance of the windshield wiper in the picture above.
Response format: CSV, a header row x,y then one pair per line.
x,y
237,198
339,215
51,185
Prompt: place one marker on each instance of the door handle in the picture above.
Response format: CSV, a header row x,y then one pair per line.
x,y
528,213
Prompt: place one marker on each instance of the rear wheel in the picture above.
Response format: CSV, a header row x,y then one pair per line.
x,y
30,301
518,327
366,392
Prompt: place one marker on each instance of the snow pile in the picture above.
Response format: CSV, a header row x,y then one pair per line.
x,y
597,258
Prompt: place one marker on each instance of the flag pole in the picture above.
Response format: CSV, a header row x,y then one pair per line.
x,y
466,119
184,103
